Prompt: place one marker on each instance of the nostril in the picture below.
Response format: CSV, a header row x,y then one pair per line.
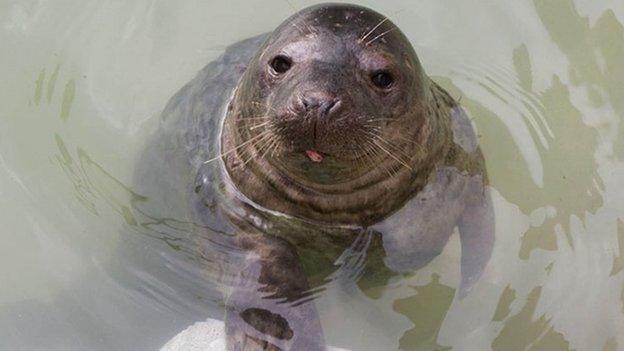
x,y
331,105
322,105
310,103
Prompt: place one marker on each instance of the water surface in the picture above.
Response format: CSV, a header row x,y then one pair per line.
x,y
83,84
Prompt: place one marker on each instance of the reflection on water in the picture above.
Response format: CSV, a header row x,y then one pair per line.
x,y
618,259
503,308
595,52
90,262
426,309
573,192
68,93
528,331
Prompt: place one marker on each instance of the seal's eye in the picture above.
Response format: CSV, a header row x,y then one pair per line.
x,y
281,64
382,79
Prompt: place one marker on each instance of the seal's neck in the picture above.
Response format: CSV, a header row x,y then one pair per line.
x,y
358,192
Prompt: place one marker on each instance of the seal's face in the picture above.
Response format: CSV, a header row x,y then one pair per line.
x,y
328,87
333,82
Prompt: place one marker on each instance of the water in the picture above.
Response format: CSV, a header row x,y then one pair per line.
x,y
83,86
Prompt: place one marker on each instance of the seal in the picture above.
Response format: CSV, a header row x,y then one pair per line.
x,y
321,146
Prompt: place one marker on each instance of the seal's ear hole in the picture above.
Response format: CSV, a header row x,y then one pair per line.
x,y
382,79
281,64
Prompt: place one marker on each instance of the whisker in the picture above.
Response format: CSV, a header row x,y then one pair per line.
x,y
373,150
359,158
405,157
260,125
362,158
401,151
264,141
274,148
267,149
388,144
372,30
410,141
380,119
263,105
252,126
378,128
243,129
370,126
380,36
271,144
243,119
278,145
398,159
238,146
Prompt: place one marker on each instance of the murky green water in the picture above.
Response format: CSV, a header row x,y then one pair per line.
x,y
83,84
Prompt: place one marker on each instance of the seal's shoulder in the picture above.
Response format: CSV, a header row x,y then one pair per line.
x,y
214,81
464,152
188,128
192,117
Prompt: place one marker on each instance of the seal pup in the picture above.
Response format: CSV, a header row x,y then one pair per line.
x,y
319,142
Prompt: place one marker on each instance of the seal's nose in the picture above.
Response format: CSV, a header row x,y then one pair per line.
x,y
323,104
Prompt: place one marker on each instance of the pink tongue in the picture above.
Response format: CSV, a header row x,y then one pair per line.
x,y
314,156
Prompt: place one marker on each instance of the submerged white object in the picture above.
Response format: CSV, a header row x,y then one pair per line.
x,y
204,336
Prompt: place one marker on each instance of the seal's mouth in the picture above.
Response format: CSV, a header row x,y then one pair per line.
x,y
314,155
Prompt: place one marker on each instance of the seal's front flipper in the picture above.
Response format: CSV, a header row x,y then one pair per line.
x,y
267,309
476,229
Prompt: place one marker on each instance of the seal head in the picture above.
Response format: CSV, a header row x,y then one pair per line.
x,y
331,115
